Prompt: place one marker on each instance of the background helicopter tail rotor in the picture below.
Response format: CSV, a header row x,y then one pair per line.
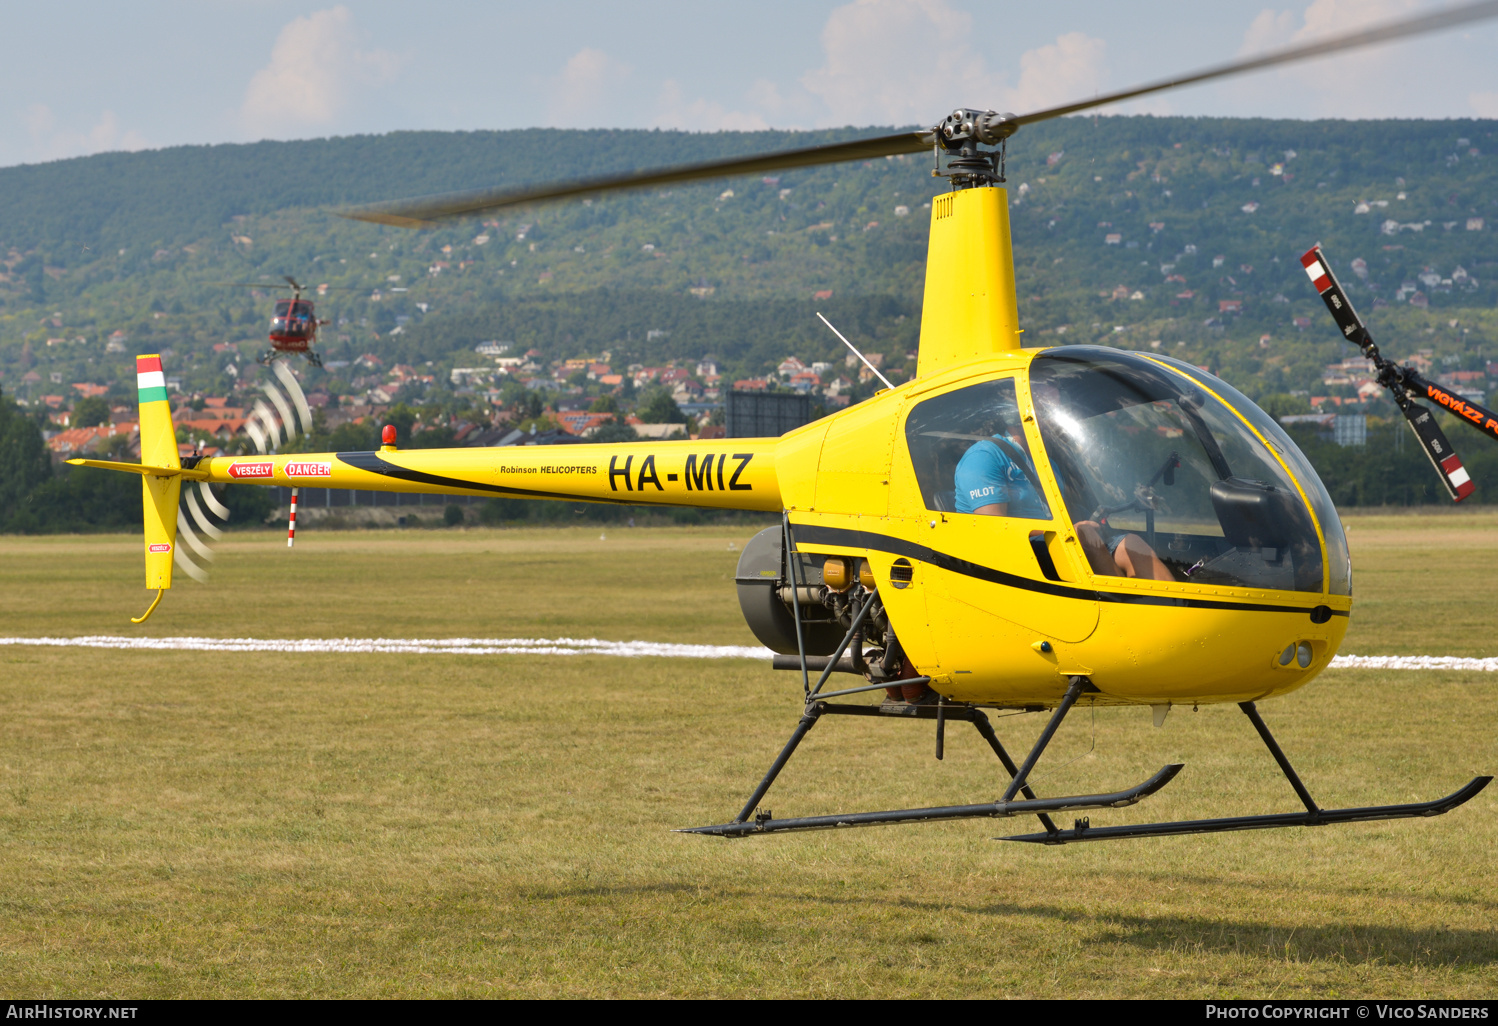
x,y
278,398
298,397
264,428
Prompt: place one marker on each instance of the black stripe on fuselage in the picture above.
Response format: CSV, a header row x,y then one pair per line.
x,y
371,462
816,534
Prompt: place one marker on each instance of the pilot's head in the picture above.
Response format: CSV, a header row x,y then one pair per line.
x,y
1002,422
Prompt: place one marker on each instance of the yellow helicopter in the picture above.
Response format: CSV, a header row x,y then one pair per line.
x,y
1013,528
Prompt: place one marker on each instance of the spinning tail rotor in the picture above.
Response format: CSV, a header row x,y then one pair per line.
x,y
1404,383
281,416
287,414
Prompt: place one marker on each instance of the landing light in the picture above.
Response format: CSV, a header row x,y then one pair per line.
x,y
1299,651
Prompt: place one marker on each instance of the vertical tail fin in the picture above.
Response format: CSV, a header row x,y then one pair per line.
x,y
158,448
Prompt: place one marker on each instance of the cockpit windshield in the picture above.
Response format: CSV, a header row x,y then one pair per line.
x,y
292,318
1163,480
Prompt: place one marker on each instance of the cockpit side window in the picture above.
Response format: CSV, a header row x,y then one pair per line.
x,y
971,456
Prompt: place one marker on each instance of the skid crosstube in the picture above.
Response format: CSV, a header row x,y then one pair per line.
x,y
1085,832
984,810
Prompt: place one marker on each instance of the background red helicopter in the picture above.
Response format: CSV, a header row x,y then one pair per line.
x,y
293,325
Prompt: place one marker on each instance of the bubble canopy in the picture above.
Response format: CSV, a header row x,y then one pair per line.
x,y
1152,452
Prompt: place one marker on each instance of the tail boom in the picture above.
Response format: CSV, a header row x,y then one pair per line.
x,y
734,473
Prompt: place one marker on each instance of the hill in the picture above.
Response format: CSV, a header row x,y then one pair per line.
x,y
1136,230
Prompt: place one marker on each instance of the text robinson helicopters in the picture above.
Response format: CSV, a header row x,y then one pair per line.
x,y
1021,529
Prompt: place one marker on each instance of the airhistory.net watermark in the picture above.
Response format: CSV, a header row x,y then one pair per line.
x,y
58,1010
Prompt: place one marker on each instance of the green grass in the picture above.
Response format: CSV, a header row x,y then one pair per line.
x,y
181,824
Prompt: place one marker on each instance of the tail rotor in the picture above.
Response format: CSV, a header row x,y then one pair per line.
x,y
1404,383
288,414
274,421
292,417
197,530
195,510
179,554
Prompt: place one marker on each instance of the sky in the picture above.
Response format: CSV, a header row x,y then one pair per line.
x,y
100,76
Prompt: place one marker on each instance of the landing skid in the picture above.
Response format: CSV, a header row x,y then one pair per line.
x,y
1313,816
270,356
752,820
764,823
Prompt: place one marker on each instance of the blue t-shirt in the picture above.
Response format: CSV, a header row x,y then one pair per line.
x,y
986,474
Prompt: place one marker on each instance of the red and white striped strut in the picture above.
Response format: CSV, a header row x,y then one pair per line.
x,y
291,524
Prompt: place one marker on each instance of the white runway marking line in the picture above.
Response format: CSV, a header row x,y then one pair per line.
x,y
581,646
414,646
1353,662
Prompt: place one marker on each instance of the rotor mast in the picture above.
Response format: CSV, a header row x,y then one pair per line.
x,y
969,310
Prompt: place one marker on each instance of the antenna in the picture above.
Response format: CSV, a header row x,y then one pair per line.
x,y
856,353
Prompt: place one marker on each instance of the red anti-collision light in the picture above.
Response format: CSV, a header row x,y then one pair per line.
x,y
387,436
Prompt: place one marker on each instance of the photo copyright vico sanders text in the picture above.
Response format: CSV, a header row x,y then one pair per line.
x,y
1370,1010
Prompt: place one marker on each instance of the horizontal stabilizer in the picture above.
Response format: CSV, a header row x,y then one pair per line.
x,y
144,469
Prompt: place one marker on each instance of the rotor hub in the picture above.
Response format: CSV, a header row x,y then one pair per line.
x,y
961,134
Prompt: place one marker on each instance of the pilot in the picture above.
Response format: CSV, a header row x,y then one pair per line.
x,y
990,482
1127,555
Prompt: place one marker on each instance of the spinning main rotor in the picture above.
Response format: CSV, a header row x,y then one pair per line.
x,y
961,136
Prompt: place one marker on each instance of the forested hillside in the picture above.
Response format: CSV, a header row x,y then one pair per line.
x,y
1215,208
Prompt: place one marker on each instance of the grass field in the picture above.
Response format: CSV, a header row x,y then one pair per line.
x,y
265,824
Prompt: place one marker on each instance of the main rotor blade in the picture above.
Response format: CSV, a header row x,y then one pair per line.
x,y
425,211
251,284
422,212
1384,33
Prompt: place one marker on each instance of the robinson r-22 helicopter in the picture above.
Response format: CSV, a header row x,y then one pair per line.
x,y
1020,529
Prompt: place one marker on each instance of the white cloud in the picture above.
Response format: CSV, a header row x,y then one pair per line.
x,y
315,69
1269,30
911,61
49,142
581,94
1359,83
1327,17
899,62
1062,72
1484,105
766,96
676,111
